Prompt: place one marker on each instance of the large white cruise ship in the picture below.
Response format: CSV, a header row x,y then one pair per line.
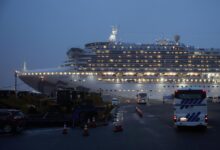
x,y
124,69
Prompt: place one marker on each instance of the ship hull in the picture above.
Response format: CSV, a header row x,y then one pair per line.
x,y
48,84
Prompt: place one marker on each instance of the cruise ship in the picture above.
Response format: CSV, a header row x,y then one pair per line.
x,y
123,70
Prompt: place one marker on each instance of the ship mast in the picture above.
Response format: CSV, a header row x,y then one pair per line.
x,y
24,66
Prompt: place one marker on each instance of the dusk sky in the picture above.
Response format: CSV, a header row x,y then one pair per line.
x,y
41,31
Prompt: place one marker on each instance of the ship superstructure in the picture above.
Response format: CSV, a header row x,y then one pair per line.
x,y
125,69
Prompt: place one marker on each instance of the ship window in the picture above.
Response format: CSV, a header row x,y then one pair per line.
x,y
111,60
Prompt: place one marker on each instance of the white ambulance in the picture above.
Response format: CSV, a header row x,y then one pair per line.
x,y
190,108
115,101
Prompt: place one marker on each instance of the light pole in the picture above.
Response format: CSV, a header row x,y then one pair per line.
x,y
16,76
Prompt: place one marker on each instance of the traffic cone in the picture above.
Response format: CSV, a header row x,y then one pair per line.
x,y
89,123
93,122
85,131
117,127
64,129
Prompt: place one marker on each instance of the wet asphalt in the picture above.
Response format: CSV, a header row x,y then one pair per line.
x,y
153,131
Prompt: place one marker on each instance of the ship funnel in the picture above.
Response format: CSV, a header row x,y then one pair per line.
x,y
176,38
112,37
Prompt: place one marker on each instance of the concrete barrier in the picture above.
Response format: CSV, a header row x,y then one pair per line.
x,y
139,111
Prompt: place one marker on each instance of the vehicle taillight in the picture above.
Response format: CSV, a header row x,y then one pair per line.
x,y
206,118
174,118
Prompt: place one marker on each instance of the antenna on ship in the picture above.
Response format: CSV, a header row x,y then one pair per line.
x,y
112,37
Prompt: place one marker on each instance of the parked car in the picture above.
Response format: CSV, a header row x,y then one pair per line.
x,y
49,119
11,120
